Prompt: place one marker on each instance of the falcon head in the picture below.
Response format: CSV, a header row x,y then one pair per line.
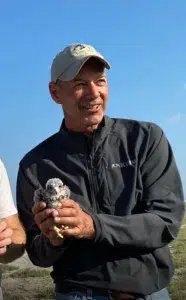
x,y
54,186
56,191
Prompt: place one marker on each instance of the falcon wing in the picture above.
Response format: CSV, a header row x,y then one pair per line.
x,y
67,192
39,195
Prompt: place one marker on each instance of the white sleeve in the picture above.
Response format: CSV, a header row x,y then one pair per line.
x,y
7,205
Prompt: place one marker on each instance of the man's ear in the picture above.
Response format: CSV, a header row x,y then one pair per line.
x,y
54,92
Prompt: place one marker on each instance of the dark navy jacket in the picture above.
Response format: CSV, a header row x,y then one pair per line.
x,y
126,177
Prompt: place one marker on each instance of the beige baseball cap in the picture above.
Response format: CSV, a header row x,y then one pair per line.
x,y
70,60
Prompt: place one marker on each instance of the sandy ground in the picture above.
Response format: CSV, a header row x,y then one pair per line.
x,y
27,287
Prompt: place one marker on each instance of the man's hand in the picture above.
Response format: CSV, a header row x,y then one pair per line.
x,y
80,223
5,237
45,221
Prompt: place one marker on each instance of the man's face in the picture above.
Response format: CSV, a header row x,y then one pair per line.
x,y
83,99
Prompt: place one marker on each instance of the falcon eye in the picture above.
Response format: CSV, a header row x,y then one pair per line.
x,y
50,187
60,186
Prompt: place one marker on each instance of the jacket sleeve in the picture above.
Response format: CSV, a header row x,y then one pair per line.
x,y
161,211
40,251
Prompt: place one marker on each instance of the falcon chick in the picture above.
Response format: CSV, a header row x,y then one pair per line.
x,y
54,192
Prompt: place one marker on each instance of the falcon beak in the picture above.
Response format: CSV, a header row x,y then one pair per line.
x,y
57,190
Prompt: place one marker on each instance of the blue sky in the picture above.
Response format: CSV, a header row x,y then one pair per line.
x,y
143,40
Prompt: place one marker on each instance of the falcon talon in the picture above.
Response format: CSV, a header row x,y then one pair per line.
x,y
64,227
57,231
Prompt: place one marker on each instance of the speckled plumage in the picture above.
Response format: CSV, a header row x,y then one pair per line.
x,y
54,192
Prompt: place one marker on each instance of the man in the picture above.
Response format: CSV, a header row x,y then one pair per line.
x,y
12,235
126,201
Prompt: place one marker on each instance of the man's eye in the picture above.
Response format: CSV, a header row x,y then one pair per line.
x,y
80,84
101,81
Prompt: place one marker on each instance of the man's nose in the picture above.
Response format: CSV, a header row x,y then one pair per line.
x,y
93,89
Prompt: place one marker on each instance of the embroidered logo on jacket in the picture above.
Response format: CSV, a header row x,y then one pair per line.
x,y
124,164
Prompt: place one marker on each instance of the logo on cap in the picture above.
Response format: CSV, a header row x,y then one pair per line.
x,y
78,48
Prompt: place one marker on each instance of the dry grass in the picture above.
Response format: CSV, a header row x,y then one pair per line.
x,y
25,273
26,283
8,268
177,289
46,293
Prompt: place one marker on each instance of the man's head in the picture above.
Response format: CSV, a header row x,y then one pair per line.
x,y
79,84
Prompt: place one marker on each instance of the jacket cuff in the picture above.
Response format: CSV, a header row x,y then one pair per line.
x,y
97,227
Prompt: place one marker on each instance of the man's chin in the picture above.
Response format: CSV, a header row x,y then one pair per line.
x,y
93,120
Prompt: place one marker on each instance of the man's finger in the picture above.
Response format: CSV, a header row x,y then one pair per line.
x,y
3,226
3,250
69,203
43,215
67,212
7,233
68,221
46,226
5,242
75,232
38,207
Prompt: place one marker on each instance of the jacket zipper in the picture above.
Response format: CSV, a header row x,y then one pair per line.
x,y
93,182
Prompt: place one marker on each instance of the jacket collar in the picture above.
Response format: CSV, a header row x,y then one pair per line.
x,y
78,141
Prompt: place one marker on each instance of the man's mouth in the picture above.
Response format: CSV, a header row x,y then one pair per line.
x,y
92,108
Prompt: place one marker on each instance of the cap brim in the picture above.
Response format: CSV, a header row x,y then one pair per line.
x,y
75,67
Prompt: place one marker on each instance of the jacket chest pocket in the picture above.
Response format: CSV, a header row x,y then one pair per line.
x,y
120,187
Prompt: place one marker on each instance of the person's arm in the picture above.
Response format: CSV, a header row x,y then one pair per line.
x,y
12,235
42,251
18,239
161,210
